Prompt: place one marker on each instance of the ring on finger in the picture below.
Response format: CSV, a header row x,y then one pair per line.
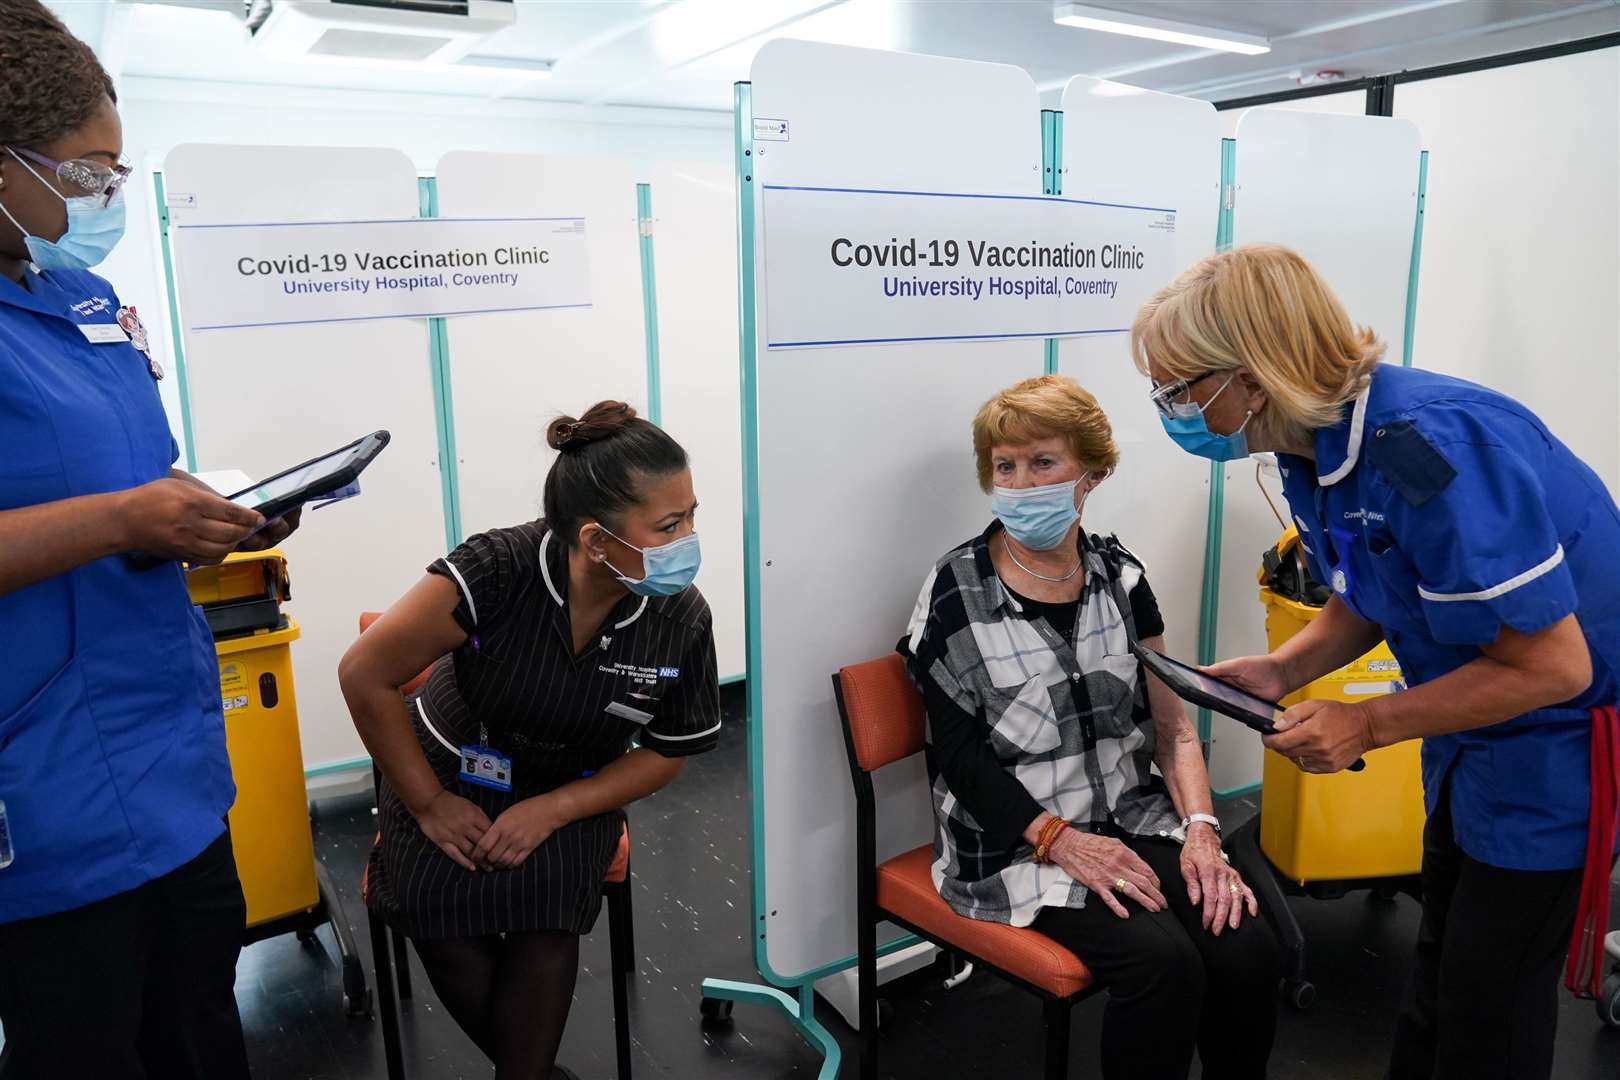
x,y
1120,885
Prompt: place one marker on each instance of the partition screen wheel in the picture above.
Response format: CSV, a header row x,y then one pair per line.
x,y
1608,1000
716,1010
358,1007
1300,994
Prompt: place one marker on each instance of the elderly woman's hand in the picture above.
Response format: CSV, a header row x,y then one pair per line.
x,y
1212,882
1106,867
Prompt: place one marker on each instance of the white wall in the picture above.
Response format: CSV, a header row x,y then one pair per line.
x,y
694,208
1520,280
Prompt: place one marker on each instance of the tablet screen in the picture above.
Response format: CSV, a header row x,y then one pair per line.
x,y
1173,671
278,487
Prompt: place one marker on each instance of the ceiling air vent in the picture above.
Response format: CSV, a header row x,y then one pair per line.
x,y
402,31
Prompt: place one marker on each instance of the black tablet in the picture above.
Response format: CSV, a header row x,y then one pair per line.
x,y
314,479
1193,685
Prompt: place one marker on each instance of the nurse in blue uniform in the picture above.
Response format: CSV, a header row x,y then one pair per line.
x,y
1453,524
121,914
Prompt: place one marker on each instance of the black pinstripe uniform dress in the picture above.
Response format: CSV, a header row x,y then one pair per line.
x,y
648,675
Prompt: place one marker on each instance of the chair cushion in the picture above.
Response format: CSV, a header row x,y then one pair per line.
x,y
905,887
619,868
884,711
365,874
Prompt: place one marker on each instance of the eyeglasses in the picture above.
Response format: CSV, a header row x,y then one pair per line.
x,y
1166,396
79,176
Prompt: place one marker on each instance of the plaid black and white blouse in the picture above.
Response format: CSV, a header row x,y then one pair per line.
x,y
1020,720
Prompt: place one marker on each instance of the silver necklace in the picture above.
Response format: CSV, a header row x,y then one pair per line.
x,y
1041,577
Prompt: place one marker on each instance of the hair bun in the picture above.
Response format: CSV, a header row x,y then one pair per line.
x,y
601,421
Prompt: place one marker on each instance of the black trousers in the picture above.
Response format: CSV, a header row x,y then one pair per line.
x,y
1172,985
1482,1001
138,986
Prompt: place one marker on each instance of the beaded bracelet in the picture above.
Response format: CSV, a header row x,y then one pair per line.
x,y
1047,837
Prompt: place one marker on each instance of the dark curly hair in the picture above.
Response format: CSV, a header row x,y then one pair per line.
x,y
50,82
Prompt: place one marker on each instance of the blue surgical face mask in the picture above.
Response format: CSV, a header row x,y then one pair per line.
x,y
1038,517
1190,432
667,569
94,227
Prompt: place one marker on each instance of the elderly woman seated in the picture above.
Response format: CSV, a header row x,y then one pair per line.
x,y
1044,731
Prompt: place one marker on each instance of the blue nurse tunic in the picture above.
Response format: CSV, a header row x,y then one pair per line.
x,y
1441,511
112,744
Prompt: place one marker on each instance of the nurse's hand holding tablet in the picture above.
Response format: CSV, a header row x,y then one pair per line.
x,y
1321,736
182,519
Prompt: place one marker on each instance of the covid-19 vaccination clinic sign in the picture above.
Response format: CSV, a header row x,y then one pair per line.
x,y
234,276
858,266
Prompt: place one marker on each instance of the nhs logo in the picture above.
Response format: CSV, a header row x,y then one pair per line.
x,y
669,673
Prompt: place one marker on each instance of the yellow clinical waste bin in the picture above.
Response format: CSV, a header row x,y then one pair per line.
x,y
1346,825
275,853
286,888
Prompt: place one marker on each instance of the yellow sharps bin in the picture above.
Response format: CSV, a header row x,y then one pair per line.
x,y
1345,825
275,854
286,888
1324,835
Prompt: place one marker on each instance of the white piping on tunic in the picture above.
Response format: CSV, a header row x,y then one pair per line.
x,y
421,710
1498,590
545,572
1352,449
684,738
466,593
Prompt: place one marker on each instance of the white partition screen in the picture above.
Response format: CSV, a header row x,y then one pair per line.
x,y
1341,191
1122,144
694,229
511,373
1524,231
865,468
265,398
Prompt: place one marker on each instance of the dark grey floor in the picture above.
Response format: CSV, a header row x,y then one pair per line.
x,y
691,898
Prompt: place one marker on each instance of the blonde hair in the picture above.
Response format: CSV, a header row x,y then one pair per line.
x,y
1261,307
1042,408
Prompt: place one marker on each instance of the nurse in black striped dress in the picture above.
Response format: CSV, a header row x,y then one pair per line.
x,y
573,671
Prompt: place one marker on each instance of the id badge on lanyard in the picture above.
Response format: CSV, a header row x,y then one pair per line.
x,y
485,766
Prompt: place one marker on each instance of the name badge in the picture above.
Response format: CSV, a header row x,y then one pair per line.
x,y
486,767
625,712
103,333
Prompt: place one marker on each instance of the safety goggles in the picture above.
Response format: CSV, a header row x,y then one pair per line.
x,y
1166,396
79,176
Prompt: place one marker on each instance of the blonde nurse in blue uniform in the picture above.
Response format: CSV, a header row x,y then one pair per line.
x,y
1453,524
121,914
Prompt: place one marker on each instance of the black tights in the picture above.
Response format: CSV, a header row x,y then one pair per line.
x,y
510,993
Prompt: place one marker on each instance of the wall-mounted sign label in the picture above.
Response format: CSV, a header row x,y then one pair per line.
x,y
237,276
767,129
856,266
